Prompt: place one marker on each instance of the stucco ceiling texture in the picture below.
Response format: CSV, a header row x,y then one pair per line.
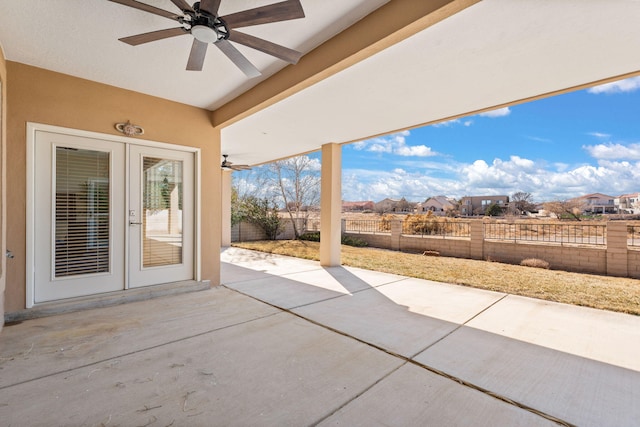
x,y
492,53
488,55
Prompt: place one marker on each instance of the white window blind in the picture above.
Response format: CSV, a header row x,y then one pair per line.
x,y
82,209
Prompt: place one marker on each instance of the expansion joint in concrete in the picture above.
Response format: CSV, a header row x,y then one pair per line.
x,y
409,360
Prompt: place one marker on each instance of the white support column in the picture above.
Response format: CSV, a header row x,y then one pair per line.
x,y
225,194
331,205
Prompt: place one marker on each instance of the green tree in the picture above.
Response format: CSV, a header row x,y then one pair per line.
x,y
262,213
493,210
237,214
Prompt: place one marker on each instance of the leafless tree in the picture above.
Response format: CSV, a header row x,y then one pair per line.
x,y
521,202
571,208
296,184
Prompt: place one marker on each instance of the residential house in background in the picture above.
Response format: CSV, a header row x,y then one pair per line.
x,y
358,206
477,205
394,206
628,203
439,205
598,203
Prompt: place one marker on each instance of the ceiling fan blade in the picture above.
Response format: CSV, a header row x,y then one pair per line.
x,y
241,167
183,5
196,57
284,53
147,8
153,36
283,11
238,58
210,6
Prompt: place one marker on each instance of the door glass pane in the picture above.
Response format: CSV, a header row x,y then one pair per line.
x,y
162,212
81,212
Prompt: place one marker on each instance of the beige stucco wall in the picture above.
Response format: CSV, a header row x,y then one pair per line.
x,y
3,110
41,96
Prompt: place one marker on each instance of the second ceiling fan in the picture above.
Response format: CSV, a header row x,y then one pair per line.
x,y
201,20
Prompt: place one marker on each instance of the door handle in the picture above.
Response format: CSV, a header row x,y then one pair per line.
x,y
134,223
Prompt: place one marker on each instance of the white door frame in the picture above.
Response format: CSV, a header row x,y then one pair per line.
x,y
32,128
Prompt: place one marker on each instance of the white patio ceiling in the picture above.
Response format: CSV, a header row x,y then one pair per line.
x,y
490,54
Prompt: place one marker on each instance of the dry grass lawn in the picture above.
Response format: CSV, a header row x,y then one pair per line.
x,y
602,292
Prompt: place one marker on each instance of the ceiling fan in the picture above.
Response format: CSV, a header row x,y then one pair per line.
x,y
226,164
201,20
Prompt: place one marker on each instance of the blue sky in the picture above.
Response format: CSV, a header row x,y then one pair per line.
x,y
555,148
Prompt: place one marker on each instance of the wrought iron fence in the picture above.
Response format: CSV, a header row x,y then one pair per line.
x,y
440,228
371,226
633,235
583,234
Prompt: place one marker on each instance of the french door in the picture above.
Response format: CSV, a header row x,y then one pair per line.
x,y
160,216
109,216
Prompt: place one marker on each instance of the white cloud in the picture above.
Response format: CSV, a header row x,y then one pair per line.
x,y
453,122
416,150
600,135
395,144
545,182
359,184
500,112
621,86
446,123
612,151
539,139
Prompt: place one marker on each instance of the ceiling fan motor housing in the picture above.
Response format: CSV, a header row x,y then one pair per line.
x,y
207,28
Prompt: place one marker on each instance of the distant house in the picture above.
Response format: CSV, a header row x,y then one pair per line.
x,y
386,205
439,205
358,206
478,205
598,203
628,203
394,206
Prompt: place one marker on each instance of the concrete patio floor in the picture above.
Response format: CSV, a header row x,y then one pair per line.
x,y
287,342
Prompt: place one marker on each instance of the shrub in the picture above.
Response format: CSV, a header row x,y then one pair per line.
x,y
353,241
262,213
385,222
345,240
422,224
310,237
535,262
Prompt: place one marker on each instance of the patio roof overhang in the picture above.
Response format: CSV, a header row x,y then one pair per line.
x,y
371,67
431,65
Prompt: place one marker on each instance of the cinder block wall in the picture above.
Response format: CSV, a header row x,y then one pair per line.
x,y
247,232
634,263
453,247
583,259
382,241
569,258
